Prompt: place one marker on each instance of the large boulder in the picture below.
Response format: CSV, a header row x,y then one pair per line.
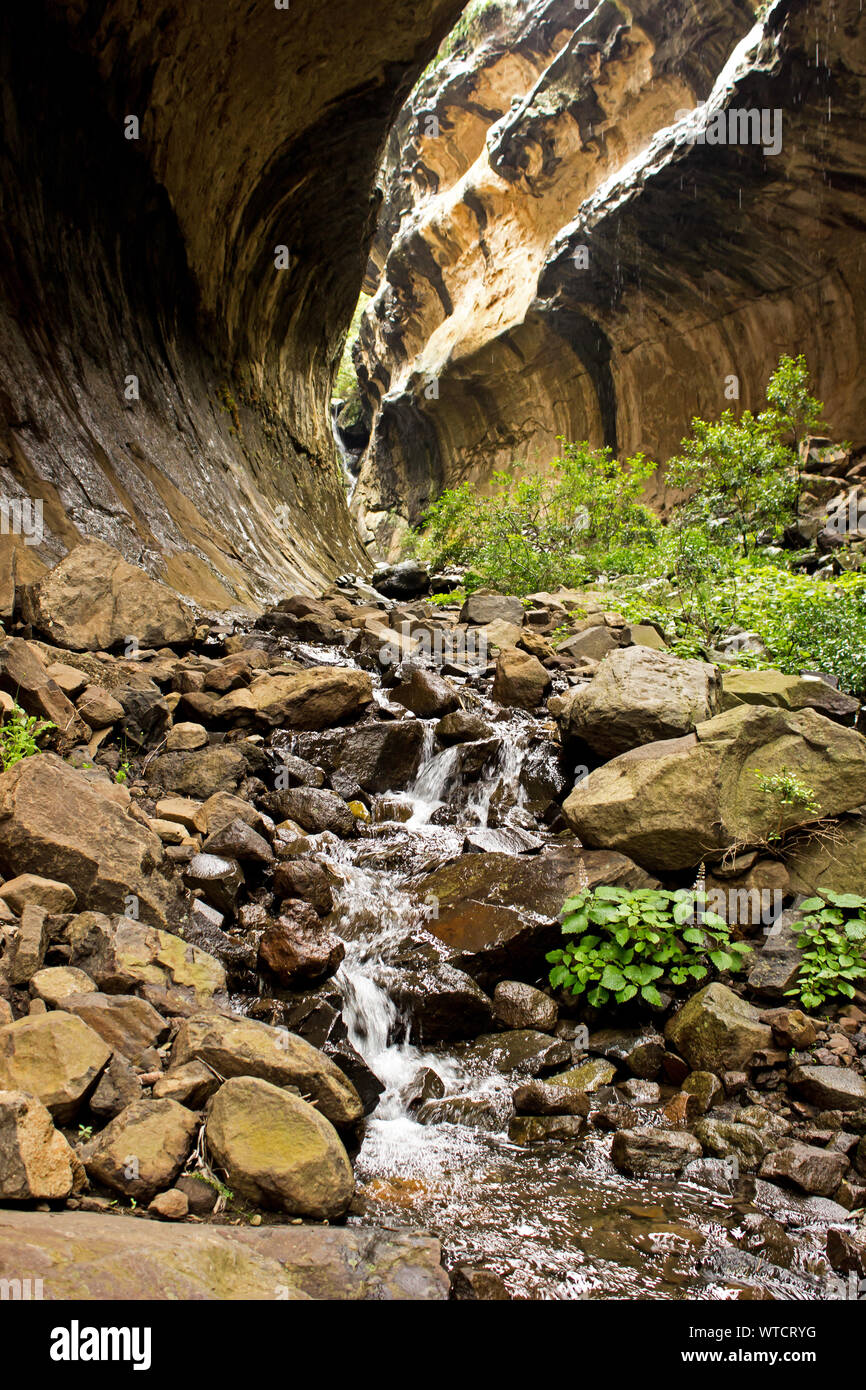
x,y
123,956
52,1056
278,1151
788,692
718,1031
94,599
100,1258
520,679
830,1088
206,771
142,1150
813,1170
58,823
36,1162
423,692
497,913
128,1025
441,1003
640,696
669,804
480,609
314,809
837,864
316,698
297,949
243,1047
653,1153
372,758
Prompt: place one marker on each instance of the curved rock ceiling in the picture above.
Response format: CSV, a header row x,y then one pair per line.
x,y
154,258
570,261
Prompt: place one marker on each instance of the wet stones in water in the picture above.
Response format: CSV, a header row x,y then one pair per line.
x,y
313,809
521,1006
522,1052
462,727
547,1098
589,1076
832,1088
424,692
817,1171
442,1003
297,949
652,1153
218,880
306,879
425,1085
762,1235
508,840
726,1139
704,1089
475,1112
478,1285
638,1050
640,1092
538,1129
371,758
846,1251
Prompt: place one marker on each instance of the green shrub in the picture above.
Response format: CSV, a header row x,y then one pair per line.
x,y
786,789
627,941
832,942
18,735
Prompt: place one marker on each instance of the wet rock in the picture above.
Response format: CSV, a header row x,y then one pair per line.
x,y
507,840
372,758
36,1162
425,1085
218,880
539,1129
242,1047
314,810
520,679
640,696
813,1170
239,841
831,1088
278,1151
521,1006
146,715
54,1057
727,1139
653,1153
94,599
766,1238
123,956
521,1052
588,1077
480,609
846,1251
100,1258
31,889
462,727
352,1065
143,1149
127,1024
549,1098
638,1092
638,1050
705,1089
297,772
669,804
58,823
498,914
477,1285
423,692
297,949
475,1112
716,1031
441,1002
305,879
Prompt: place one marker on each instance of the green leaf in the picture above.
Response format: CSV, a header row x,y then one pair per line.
x,y
612,979
652,996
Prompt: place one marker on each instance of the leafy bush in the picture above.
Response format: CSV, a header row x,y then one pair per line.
x,y
534,532
832,942
18,735
627,941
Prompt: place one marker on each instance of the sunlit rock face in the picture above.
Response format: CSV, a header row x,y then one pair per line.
x,y
163,385
580,259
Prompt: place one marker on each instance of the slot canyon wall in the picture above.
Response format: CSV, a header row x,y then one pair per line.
x,y
559,256
153,259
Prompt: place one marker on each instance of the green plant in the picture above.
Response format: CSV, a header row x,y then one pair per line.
x,y
537,531
122,774
625,941
19,734
787,790
85,1132
834,957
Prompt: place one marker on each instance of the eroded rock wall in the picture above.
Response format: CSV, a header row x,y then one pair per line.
x,y
154,258
596,272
